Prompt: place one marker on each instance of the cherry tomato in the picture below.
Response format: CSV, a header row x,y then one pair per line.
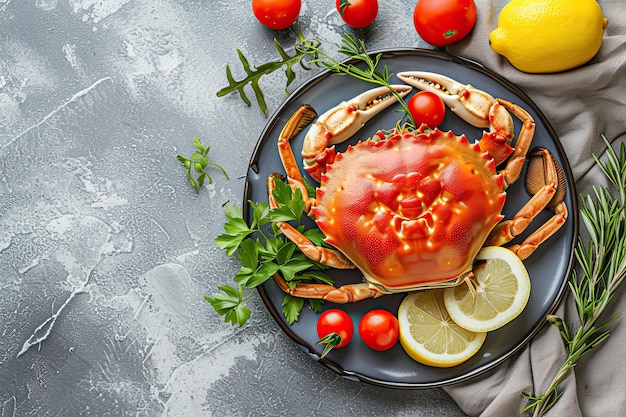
x,y
357,13
379,329
427,108
442,22
335,329
276,14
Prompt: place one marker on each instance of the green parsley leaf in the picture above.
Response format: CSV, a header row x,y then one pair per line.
x,y
230,305
236,230
248,254
292,306
260,213
290,203
263,252
199,163
293,266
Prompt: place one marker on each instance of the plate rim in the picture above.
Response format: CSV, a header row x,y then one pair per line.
x,y
573,216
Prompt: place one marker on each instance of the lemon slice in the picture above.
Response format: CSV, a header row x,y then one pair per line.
x,y
430,336
502,290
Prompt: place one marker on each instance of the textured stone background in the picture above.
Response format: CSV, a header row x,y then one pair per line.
x,y
105,250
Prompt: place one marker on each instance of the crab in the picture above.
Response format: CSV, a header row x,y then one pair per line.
x,y
411,208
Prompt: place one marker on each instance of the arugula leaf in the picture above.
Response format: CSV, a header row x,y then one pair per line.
x,y
254,75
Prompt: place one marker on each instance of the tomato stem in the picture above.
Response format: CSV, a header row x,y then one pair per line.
x,y
330,341
343,5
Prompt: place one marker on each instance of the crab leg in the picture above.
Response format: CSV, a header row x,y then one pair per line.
x,y
545,180
515,163
296,123
342,295
342,122
532,242
325,256
507,230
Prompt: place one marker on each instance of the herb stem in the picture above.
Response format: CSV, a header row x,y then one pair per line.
x,y
603,268
198,162
355,49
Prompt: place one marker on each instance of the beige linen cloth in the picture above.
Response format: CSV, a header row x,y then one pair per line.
x,y
581,104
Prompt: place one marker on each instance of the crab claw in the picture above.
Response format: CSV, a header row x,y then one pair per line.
x,y
342,122
472,105
469,103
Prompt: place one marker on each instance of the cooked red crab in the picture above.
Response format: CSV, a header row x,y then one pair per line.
x,y
413,209
410,210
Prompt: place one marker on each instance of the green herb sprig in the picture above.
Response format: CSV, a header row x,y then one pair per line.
x,y
602,263
253,75
309,51
356,51
263,252
198,162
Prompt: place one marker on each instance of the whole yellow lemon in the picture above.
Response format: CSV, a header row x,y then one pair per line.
x,y
548,35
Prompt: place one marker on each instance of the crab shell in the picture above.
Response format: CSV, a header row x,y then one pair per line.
x,y
412,210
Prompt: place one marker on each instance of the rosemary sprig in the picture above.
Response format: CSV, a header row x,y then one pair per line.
x,y
602,263
198,162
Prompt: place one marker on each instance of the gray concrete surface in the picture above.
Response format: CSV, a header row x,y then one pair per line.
x,y
105,250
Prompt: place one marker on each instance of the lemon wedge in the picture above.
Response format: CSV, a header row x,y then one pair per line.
x,y
430,336
502,290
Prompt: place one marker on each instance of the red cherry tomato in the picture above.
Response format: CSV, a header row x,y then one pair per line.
x,y
335,329
357,13
427,108
379,329
276,14
442,22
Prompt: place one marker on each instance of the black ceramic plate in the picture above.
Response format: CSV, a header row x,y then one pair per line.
x,y
549,267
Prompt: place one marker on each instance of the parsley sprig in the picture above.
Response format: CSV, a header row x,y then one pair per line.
x,y
602,262
199,163
263,251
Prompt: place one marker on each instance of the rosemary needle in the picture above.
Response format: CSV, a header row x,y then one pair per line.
x,y
602,264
